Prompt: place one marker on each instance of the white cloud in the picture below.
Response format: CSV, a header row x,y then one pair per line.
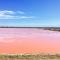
x,y
25,17
6,14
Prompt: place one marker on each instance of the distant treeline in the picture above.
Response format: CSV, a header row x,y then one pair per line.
x,y
45,28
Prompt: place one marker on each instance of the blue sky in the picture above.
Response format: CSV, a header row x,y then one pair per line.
x,y
30,13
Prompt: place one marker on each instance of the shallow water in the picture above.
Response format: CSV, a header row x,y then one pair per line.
x,y
29,40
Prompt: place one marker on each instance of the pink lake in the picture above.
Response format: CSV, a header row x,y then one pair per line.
x,y
29,40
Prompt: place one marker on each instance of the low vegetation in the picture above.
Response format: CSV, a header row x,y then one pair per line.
x,y
29,57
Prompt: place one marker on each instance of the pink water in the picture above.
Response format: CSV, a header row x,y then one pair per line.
x,y
29,40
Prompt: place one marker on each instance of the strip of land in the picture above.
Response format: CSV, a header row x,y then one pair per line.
x,y
45,28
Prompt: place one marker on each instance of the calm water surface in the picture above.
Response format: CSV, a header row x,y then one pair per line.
x,y
28,40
